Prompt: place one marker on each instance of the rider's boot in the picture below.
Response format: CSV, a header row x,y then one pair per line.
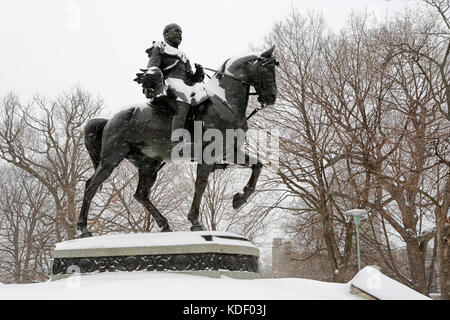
x,y
179,119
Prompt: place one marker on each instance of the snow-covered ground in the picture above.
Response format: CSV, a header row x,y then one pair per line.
x,y
150,285
178,286
167,285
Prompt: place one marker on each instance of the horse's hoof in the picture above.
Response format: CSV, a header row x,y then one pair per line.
x,y
86,234
166,229
197,227
238,200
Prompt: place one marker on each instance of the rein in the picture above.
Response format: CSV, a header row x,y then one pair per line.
x,y
255,111
221,73
229,76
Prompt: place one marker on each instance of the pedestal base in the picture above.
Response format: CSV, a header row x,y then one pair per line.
x,y
177,251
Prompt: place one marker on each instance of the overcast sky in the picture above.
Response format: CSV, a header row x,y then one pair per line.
x,y
49,45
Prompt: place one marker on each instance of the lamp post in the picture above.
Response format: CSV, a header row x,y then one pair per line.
x,y
357,213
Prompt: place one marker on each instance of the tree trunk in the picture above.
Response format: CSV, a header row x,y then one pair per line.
x,y
416,261
443,262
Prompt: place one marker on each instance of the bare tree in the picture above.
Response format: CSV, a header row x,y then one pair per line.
x,y
426,48
45,139
431,56
358,121
307,148
385,120
26,234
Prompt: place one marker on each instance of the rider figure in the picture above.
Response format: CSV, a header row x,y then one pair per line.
x,y
180,81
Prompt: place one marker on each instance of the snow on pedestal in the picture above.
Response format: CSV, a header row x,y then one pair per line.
x,y
155,240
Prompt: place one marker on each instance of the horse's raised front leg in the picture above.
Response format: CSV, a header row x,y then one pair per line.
x,y
241,197
203,171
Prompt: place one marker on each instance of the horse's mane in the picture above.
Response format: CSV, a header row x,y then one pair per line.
x,y
237,60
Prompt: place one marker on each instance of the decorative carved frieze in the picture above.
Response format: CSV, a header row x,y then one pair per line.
x,y
167,262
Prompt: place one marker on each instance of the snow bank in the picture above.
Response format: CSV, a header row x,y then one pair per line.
x,y
176,286
373,282
145,285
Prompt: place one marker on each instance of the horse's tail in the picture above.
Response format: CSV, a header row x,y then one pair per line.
x,y
93,132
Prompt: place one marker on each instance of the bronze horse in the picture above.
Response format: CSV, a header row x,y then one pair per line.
x,y
143,136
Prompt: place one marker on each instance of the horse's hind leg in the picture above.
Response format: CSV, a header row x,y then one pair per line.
x,y
103,171
203,171
148,170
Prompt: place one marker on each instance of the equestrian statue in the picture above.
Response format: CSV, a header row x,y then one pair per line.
x,y
177,99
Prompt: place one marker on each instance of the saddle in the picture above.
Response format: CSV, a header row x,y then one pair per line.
x,y
161,106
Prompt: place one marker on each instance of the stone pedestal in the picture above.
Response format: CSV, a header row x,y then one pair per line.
x,y
203,251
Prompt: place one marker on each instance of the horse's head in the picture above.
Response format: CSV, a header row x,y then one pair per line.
x,y
257,70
